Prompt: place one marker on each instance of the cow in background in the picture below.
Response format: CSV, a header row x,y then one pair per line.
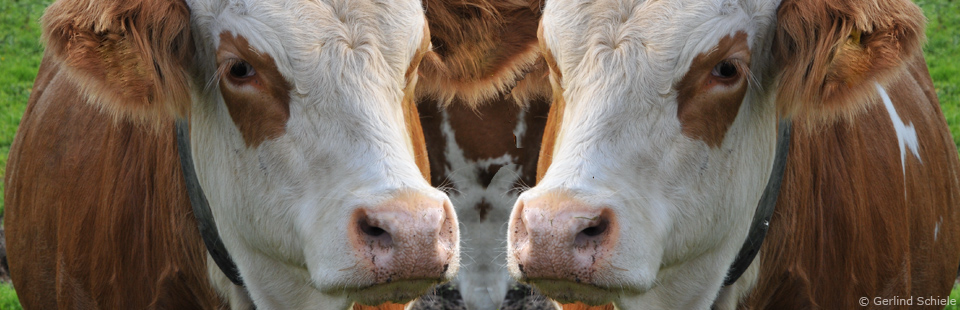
x,y
483,99
662,135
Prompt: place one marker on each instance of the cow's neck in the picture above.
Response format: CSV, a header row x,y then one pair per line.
x,y
201,208
761,218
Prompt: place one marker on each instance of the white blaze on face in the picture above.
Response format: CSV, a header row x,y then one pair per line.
x,y
664,146
306,154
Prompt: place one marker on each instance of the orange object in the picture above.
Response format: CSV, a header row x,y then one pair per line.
x,y
386,306
581,306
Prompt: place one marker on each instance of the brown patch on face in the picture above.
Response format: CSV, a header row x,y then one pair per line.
x,y
708,98
410,114
555,117
548,56
411,75
259,104
554,120
412,118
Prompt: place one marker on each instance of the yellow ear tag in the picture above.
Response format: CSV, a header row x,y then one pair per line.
x,y
854,37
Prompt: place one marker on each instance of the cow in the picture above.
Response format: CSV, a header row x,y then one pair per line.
x,y
663,136
482,96
304,140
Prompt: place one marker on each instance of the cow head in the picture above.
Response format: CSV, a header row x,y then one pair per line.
x,y
304,133
662,132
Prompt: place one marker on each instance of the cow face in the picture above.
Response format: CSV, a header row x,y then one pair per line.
x,y
662,132
304,133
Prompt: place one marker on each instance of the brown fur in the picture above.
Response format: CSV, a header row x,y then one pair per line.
x,y
259,105
96,211
412,118
129,57
581,306
708,105
832,51
483,132
555,118
410,114
554,122
386,306
849,224
482,49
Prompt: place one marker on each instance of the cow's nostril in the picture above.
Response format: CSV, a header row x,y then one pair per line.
x,y
371,230
593,233
373,234
595,230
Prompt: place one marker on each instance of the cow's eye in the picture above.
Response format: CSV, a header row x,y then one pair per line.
x,y
241,70
725,70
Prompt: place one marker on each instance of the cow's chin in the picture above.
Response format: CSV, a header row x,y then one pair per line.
x,y
396,292
571,292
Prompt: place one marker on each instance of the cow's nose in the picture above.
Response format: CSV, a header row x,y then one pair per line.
x,y
558,237
409,237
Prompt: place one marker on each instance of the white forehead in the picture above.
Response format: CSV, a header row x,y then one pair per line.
x,y
307,37
658,37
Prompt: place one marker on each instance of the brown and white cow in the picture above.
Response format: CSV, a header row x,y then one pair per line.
x,y
483,93
305,137
661,139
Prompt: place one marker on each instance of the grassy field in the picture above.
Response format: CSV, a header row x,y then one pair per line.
x,y
20,55
943,56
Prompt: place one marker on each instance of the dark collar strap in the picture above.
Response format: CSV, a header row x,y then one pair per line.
x,y
761,219
201,208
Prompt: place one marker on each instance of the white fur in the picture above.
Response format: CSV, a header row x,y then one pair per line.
x,y
684,208
283,208
906,133
936,229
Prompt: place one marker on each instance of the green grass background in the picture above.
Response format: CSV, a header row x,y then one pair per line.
x,y
20,53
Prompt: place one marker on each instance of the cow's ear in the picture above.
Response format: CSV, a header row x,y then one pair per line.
x,y
128,56
832,52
